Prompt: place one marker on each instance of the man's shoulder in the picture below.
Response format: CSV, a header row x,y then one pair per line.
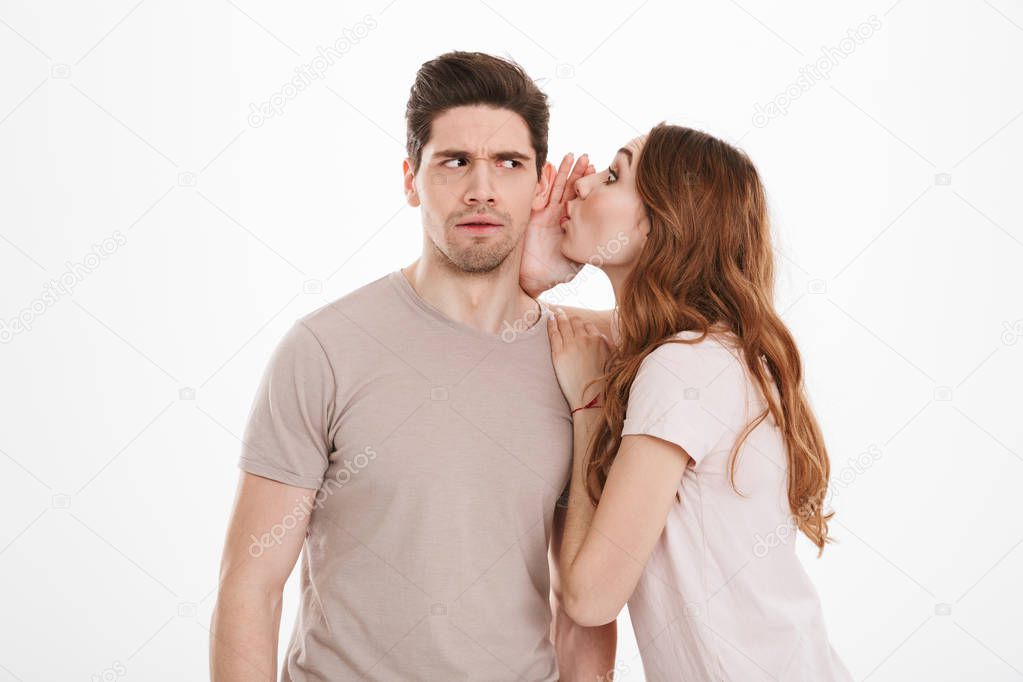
x,y
347,311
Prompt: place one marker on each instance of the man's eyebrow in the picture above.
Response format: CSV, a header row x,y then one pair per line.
x,y
628,153
503,155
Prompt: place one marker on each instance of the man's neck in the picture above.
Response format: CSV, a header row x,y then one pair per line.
x,y
487,302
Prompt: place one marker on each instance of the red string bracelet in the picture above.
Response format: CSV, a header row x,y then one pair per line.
x,y
592,403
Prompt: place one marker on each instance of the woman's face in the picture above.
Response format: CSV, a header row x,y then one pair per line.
x,y
607,222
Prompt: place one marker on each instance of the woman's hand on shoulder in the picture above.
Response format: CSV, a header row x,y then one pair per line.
x,y
579,351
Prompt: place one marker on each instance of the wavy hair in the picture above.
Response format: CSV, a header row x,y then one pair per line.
x,y
708,262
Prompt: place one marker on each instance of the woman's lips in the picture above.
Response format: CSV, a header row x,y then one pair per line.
x,y
565,220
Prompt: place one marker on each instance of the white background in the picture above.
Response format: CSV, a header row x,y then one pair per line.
x,y
894,183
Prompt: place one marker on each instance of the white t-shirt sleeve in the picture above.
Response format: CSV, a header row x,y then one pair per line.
x,y
666,400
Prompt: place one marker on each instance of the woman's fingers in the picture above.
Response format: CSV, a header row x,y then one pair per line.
x,y
566,332
577,327
561,180
555,334
565,328
595,331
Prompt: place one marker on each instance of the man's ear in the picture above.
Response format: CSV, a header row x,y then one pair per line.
x,y
411,194
544,185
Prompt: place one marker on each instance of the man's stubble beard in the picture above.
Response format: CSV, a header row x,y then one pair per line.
x,y
474,255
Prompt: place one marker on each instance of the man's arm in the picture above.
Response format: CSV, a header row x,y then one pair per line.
x,y
584,653
258,557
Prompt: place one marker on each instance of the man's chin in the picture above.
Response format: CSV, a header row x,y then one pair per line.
x,y
479,260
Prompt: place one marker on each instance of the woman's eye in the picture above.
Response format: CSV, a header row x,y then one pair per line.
x,y
612,177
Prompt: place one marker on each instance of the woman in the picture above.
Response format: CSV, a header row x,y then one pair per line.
x,y
697,455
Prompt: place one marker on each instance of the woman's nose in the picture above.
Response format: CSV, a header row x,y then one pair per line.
x,y
583,185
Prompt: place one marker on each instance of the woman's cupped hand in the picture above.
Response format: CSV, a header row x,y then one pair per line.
x,y
543,265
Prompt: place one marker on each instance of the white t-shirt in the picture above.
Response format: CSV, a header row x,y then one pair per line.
x,y
723,595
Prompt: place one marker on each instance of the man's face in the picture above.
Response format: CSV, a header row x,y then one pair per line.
x,y
479,165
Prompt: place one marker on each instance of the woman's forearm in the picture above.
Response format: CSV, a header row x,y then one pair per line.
x,y
580,509
584,653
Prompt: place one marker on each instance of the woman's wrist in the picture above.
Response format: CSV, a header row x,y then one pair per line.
x,y
585,419
590,406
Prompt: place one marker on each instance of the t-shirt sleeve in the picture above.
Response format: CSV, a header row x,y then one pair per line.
x,y
662,403
286,435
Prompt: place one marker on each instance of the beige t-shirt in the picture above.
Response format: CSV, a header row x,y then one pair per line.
x,y
437,452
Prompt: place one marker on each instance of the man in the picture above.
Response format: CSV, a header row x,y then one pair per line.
x,y
410,439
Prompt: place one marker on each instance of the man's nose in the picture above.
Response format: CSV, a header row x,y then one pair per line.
x,y
481,187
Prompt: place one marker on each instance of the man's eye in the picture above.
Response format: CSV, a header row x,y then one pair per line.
x,y
612,177
517,164
447,164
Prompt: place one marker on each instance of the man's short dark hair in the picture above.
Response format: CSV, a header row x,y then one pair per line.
x,y
459,79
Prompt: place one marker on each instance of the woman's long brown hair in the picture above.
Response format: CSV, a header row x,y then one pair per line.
x,y
708,261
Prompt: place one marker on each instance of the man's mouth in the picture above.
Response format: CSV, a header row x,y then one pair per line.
x,y
480,223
